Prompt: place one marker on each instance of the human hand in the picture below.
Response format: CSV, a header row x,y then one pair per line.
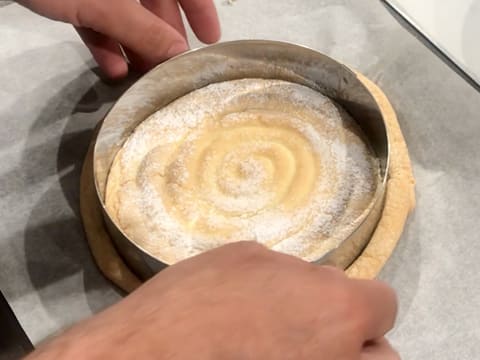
x,y
240,301
150,31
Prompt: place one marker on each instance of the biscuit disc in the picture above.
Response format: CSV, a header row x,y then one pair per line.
x,y
400,200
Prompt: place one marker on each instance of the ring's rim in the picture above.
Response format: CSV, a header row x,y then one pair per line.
x,y
116,231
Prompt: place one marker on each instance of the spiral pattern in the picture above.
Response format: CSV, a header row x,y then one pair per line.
x,y
252,159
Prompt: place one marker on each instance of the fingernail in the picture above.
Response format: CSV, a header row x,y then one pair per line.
x,y
176,48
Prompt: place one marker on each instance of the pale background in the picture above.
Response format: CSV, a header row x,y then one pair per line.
x,y
452,25
50,99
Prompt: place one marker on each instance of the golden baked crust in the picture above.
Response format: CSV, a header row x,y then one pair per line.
x,y
399,198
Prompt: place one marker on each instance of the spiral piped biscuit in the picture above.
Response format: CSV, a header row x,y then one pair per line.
x,y
252,159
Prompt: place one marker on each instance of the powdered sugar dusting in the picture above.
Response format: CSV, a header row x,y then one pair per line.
x,y
251,159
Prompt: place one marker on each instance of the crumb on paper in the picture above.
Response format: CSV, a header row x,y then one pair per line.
x,y
230,2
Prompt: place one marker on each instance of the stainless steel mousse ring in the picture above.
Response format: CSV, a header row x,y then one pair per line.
x,y
237,60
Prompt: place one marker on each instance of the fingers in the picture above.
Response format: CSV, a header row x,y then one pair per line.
x,y
168,11
378,305
150,33
106,53
203,19
132,25
61,10
379,350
